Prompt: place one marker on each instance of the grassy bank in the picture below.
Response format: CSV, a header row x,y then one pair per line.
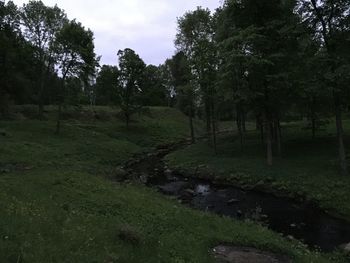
x,y
56,204
308,168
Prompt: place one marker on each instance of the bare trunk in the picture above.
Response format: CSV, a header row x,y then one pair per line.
x,y
257,123
59,113
127,119
313,117
61,100
313,120
41,95
262,136
269,142
214,127
278,137
340,136
239,126
260,128
193,139
208,116
244,127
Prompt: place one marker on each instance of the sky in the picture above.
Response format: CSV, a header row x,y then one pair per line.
x,y
146,26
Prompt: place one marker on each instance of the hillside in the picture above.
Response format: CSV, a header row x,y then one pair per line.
x,y
59,204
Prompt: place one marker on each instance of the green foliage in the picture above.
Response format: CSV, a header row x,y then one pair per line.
x,y
154,90
75,49
106,85
131,69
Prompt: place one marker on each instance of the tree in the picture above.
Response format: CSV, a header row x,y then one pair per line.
x,y
184,85
74,46
258,55
154,90
195,38
16,60
131,70
167,82
106,85
41,25
330,21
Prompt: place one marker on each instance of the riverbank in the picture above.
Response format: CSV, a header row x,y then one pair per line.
x,y
59,204
306,171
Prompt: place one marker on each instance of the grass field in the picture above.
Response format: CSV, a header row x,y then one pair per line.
x,y
57,203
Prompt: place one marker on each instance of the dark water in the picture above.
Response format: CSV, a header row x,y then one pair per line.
x,y
299,220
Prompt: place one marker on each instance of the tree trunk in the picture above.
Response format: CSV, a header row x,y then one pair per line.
x,y
313,121
239,126
214,126
193,138
269,142
262,135
340,136
313,117
59,113
257,122
278,137
127,119
208,115
41,101
61,100
244,127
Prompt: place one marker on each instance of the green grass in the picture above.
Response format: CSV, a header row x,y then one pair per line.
x,y
307,168
56,204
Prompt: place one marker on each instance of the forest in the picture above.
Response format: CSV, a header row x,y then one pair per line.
x,y
235,149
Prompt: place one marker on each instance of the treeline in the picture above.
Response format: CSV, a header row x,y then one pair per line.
x,y
263,60
132,85
268,59
43,57
47,59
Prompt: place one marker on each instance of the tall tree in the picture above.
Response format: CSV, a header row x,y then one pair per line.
x,y
195,38
185,87
74,46
260,55
16,60
330,21
106,85
154,90
41,25
131,72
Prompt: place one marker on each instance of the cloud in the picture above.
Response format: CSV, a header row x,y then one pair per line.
x,y
147,26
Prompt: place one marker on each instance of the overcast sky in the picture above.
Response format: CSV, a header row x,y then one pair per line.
x,y
147,26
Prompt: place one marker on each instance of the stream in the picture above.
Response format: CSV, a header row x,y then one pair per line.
x,y
302,221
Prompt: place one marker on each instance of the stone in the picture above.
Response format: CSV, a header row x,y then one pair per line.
x,y
190,192
247,255
144,178
168,173
232,201
346,248
259,185
173,188
120,172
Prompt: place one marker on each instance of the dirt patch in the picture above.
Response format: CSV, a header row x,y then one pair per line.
x,y
247,255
